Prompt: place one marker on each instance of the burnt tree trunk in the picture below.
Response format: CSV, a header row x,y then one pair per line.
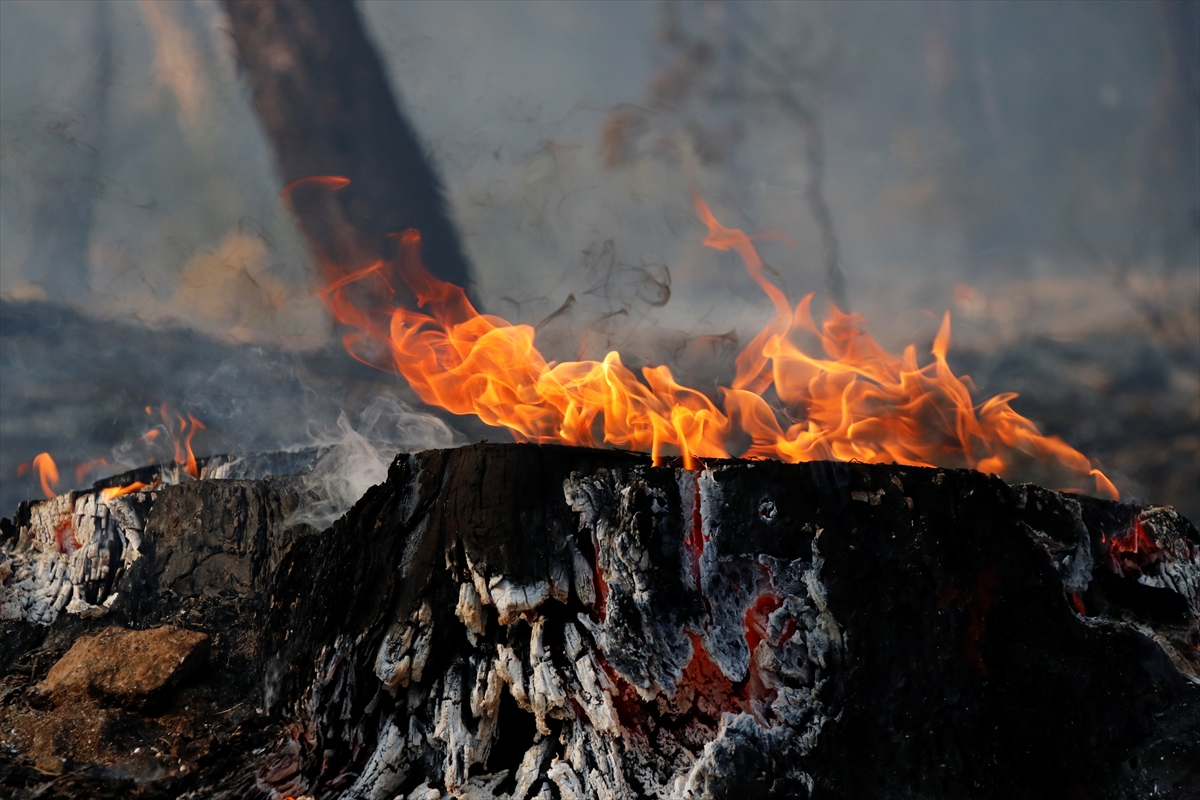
x,y
547,622
321,91
579,620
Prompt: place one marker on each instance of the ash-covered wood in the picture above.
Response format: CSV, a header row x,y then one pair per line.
x,y
200,556
523,621
67,552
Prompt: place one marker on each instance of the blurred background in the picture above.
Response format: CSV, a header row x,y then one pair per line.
x,y
1031,167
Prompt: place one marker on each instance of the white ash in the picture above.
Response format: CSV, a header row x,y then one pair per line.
x,y
512,599
70,554
646,654
459,743
386,769
546,689
1072,560
533,765
1173,564
479,580
470,610
566,780
585,588
405,648
424,792
728,581
1178,566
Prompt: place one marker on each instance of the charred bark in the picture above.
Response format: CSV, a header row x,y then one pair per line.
x,y
321,91
523,621
812,630
200,556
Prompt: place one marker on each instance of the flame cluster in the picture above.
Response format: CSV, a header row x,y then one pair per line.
x,y
178,431
856,402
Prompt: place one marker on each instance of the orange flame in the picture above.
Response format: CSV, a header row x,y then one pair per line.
x,y
47,472
180,438
117,491
858,403
190,465
180,431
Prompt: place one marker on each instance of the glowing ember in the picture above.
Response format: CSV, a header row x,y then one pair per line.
x,y
117,491
1132,549
859,402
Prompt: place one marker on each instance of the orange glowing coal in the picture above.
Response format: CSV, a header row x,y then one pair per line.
x,y
856,402
118,491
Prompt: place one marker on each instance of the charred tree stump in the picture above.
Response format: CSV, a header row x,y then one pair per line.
x,y
549,622
322,94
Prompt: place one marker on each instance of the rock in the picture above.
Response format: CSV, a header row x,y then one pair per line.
x,y
132,669
50,765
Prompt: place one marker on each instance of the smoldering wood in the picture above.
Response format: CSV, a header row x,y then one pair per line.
x,y
199,555
326,106
525,621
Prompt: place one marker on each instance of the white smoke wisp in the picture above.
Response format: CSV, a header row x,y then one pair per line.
x,y
355,458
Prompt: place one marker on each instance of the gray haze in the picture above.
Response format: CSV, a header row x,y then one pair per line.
x,y
1030,166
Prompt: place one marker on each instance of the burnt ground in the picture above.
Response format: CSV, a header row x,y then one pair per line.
x,y
76,387
82,746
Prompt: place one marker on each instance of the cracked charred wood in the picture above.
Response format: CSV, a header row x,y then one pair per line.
x,y
322,94
198,558
82,552
548,622
538,621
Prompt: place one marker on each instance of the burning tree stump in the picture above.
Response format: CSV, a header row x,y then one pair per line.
x,y
525,621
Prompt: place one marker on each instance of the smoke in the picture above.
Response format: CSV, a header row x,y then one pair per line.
x,y
1041,186
178,63
134,182
355,458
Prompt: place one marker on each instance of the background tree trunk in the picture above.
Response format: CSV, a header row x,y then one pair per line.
x,y
321,91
